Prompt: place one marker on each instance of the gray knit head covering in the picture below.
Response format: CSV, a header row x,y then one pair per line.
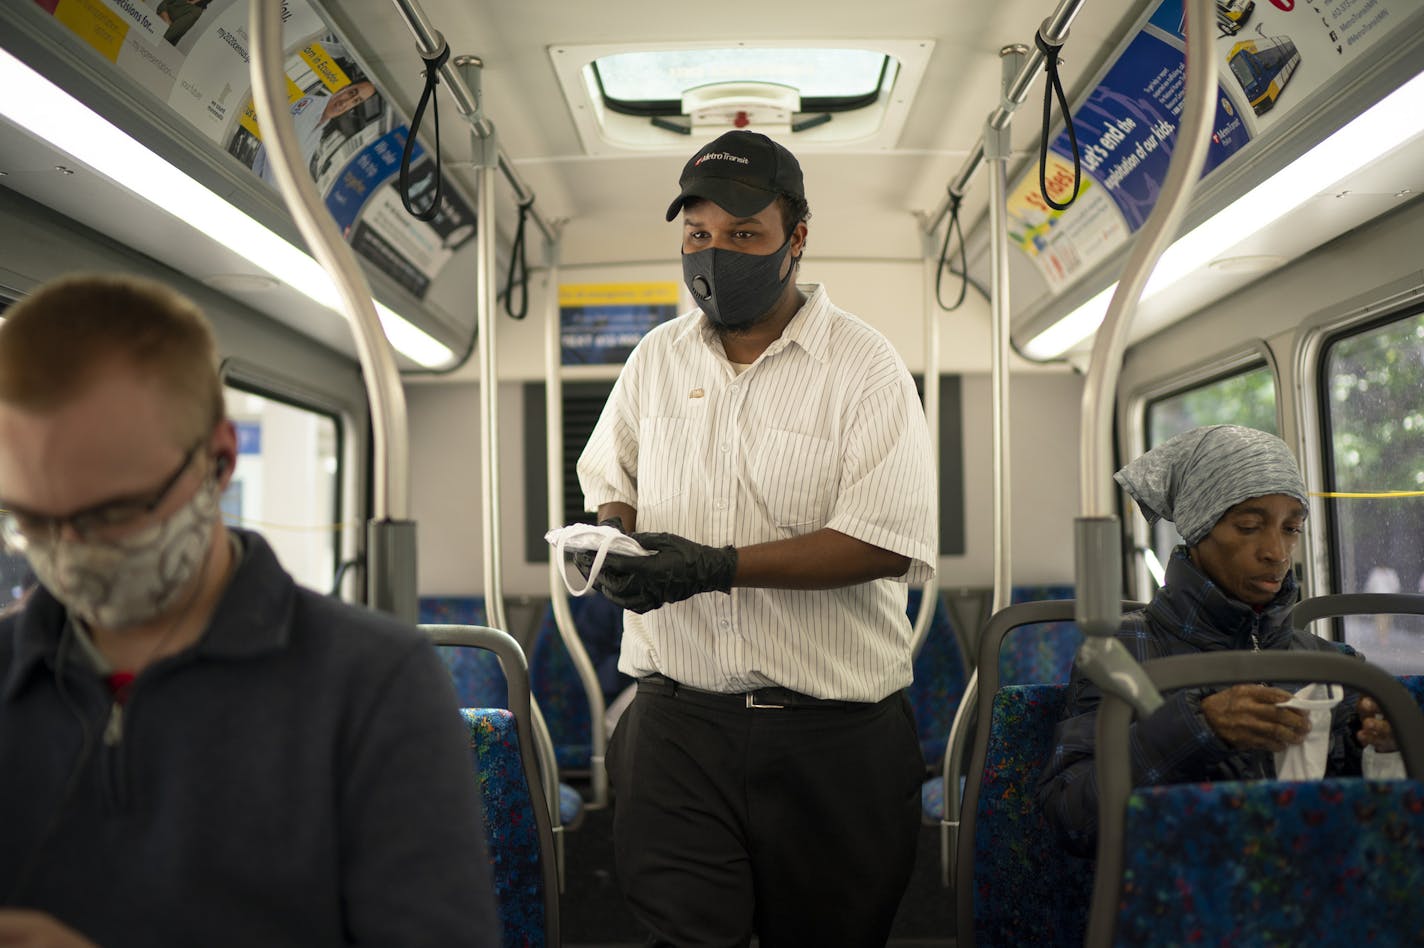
x,y
1199,475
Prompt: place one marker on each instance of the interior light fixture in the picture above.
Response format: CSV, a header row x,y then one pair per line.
x,y
48,112
1386,125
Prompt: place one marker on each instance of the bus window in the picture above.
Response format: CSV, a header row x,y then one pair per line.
x,y
287,482
1247,397
1373,390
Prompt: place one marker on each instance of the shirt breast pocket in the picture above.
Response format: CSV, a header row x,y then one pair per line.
x,y
796,476
663,461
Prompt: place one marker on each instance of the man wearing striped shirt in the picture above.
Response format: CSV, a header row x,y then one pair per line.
x,y
771,450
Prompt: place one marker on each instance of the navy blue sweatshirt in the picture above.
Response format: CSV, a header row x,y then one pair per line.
x,y
300,776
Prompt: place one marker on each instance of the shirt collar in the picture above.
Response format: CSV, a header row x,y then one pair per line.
x,y
254,616
809,329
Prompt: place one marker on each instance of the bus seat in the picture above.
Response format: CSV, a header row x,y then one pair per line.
x,y
475,673
939,683
1024,884
509,824
1043,653
1333,861
556,682
518,824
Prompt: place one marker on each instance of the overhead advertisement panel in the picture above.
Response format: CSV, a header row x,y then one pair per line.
x,y
1273,57
195,57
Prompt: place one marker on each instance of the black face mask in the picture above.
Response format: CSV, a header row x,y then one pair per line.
x,y
735,289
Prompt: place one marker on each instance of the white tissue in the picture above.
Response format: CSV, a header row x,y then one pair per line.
x,y
1378,765
1306,760
600,540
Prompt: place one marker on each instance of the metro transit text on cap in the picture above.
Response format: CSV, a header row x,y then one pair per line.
x,y
741,172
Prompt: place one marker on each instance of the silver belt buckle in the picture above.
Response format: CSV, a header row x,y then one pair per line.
x,y
752,703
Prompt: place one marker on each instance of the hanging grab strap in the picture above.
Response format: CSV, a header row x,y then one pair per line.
x,y
954,224
1052,86
518,268
432,79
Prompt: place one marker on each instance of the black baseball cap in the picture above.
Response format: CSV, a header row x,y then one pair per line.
x,y
741,172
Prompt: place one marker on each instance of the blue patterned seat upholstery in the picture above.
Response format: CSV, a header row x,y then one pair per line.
x,y
1039,653
560,694
509,824
940,680
1027,889
1415,684
555,681
1333,862
475,673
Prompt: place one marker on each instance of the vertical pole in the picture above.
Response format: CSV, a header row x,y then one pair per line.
x,y
929,593
489,401
996,159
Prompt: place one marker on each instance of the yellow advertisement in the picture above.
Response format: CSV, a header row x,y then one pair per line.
x,y
601,323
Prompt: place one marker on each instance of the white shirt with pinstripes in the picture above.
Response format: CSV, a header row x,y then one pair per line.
x,y
824,429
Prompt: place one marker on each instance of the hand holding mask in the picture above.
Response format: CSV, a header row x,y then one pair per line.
x,y
679,570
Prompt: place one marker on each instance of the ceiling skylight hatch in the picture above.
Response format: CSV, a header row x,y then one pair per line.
x,y
649,98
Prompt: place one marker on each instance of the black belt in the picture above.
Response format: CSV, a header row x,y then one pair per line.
x,y
778,699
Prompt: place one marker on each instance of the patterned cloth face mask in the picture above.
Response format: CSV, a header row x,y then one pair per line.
x,y
119,583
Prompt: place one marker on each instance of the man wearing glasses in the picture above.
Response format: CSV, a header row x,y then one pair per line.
x,y
193,750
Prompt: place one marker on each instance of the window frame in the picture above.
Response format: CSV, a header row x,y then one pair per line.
x,y
250,380
1380,304
1324,431
1247,357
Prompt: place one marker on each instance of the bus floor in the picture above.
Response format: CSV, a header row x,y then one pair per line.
x,y
593,914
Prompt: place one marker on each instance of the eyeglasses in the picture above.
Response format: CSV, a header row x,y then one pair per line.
x,y
22,528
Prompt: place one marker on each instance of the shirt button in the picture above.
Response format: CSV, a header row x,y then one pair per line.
x,y
720,504
726,447
724,623
735,389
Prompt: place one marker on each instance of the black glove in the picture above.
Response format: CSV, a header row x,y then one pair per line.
x,y
679,569
583,559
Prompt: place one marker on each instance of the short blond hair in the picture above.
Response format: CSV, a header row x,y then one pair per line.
x,y
55,342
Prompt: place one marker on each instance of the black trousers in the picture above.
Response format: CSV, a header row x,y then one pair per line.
x,y
797,824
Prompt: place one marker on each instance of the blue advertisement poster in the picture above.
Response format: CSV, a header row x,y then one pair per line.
x,y
602,322
1127,128
1273,56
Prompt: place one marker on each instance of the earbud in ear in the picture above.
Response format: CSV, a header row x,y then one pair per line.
x,y
223,465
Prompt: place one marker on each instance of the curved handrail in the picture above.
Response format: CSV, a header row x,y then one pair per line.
x,y
390,498
1114,770
1099,543
1355,604
516,677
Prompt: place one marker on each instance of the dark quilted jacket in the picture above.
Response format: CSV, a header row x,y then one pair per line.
x,y
1189,614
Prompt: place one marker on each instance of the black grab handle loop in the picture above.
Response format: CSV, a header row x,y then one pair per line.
x,y
432,79
1053,85
954,225
518,276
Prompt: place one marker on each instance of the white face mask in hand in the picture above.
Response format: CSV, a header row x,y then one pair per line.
x,y
1306,760
600,540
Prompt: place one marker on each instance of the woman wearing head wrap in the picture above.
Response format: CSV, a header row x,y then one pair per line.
x,y
1238,500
